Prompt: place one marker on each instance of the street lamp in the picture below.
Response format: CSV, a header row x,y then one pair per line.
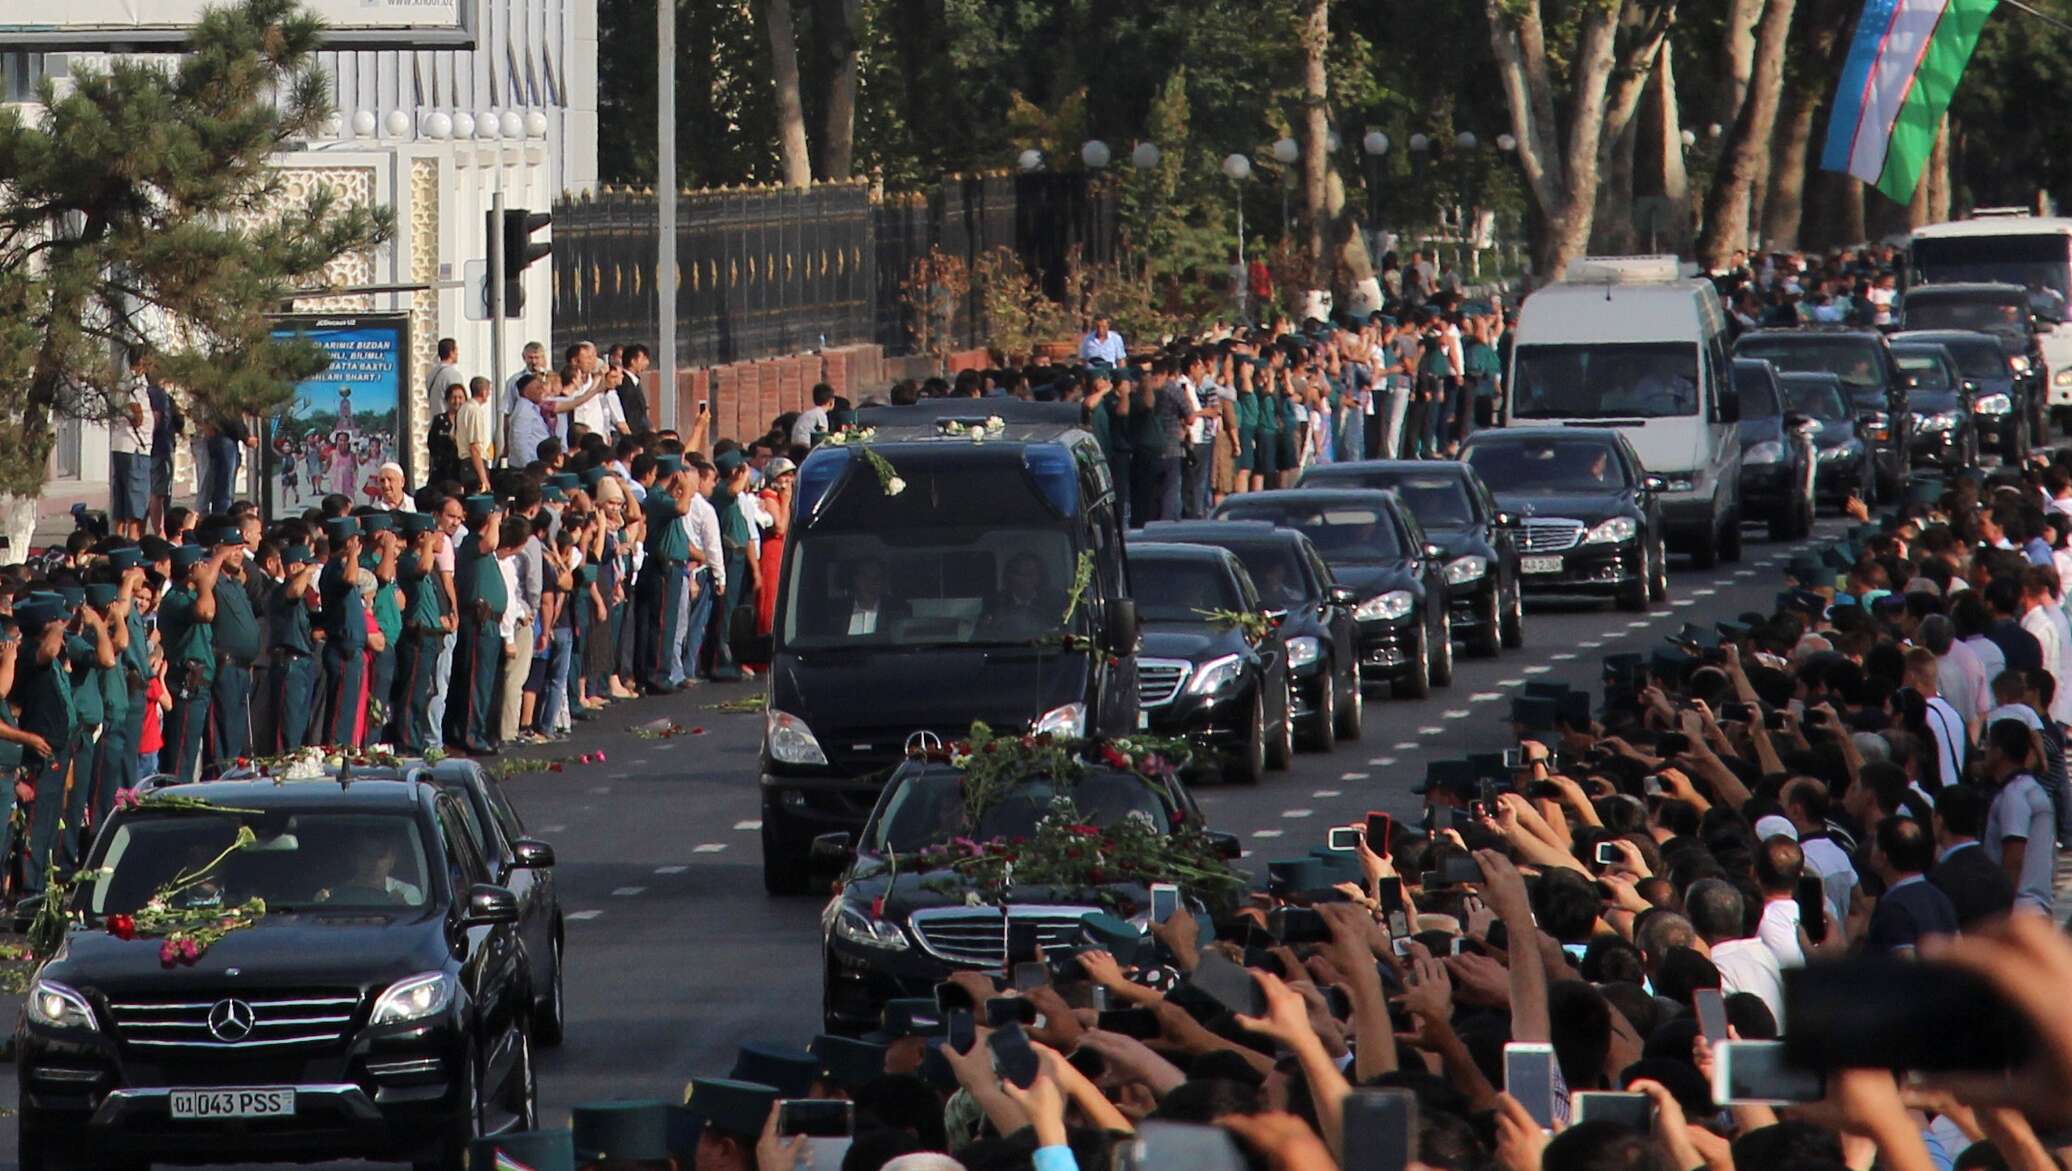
x,y
1094,154
1689,137
1375,144
1030,159
1145,156
1285,151
1465,140
1237,168
1506,143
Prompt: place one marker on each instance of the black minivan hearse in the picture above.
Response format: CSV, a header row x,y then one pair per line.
x,y
954,561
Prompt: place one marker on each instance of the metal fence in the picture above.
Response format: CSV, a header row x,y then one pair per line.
x,y
773,271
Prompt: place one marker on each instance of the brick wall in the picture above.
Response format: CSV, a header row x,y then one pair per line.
x,y
745,396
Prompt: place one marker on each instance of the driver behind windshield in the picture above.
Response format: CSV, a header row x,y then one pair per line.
x,y
1025,606
370,878
866,610
1274,587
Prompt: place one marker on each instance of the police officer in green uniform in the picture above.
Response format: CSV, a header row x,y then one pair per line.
x,y
344,622
186,613
425,622
236,631
43,687
735,534
378,557
297,672
19,747
662,594
128,564
90,712
478,646
108,770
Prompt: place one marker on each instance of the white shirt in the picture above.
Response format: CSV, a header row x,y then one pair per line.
x,y
529,429
1779,931
863,620
1110,347
1948,729
515,612
2046,626
511,397
1748,965
701,524
124,437
589,414
1961,678
810,420
614,413
1837,873
1990,658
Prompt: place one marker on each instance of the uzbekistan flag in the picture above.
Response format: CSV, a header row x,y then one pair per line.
x,y
1903,65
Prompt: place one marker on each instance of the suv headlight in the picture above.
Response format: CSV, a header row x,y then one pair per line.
x,y
1391,605
1304,650
1840,452
2062,377
1993,404
55,1006
1618,528
790,740
1216,674
1462,570
2019,363
1939,421
1769,451
413,999
859,928
1069,721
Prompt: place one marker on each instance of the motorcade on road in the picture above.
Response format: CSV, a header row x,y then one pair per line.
x,y
2010,246
991,586
2003,406
1941,399
1590,514
1631,342
1777,461
1876,388
1842,458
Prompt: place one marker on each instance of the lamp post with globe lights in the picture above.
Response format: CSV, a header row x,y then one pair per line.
x,y
1286,151
1375,146
1237,168
1094,154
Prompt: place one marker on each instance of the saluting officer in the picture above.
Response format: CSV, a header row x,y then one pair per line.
x,y
663,592
297,673
128,564
20,749
44,685
85,660
93,788
186,636
478,647
379,558
236,631
344,622
425,624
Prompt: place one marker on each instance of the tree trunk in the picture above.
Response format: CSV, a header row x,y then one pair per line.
x,y
1726,205
1740,59
1785,200
784,78
834,21
1569,225
1315,129
1939,175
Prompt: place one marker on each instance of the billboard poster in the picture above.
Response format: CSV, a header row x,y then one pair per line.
x,y
345,422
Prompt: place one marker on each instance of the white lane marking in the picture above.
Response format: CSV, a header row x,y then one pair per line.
x,y
671,869
601,789
1383,761
1327,794
1563,657
1430,730
748,825
708,848
1591,644
583,916
1352,776
1514,682
1536,670
1298,813
1682,602
1703,593
1406,745
1637,624
1454,713
1491,696
1266,833
552,829
627,892
1744,573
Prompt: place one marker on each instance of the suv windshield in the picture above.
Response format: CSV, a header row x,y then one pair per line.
x,y
1928,310
1627,380
2034,260
929,809
1927,369
1978,357
1814,396
1548,465
1853,360
302,861
1341,532
1276,572
1437,501
1177,589
928,584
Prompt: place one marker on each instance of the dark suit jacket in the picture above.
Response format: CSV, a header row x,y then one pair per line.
x,y
1977,888
633,403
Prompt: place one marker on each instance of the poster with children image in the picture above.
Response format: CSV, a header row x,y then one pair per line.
x,y
345,422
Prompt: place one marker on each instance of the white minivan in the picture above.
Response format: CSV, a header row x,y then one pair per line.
x,y
1631,342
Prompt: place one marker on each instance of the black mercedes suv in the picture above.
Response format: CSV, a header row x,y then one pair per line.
x,y
377,1008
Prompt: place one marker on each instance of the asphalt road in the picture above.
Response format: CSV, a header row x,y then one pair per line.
x,y
676,956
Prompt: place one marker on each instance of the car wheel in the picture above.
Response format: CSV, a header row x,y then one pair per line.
x,y
1442,658
1730,541
1488,638
782,875
1352,711
463,1129
1658,579
1634,594
1322,735
1514,619
1251,767
1280,750
1416,681
40,1150
549,1019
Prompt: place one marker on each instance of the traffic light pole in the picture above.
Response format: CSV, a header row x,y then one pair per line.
x,y
496,294
665,205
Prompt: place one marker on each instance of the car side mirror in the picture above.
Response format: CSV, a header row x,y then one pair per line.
x,y
1342,595
532,854
25,912
833,851
1433,551
489,905
1653,484
1119,633
1226,845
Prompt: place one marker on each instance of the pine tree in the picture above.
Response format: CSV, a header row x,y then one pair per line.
x,y
119,230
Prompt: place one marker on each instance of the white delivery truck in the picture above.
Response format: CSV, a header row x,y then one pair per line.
x,y
2010,246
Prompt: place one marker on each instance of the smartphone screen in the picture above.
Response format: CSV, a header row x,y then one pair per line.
x,y
1755,1072
1009,1010
1884,1012
1380,1130
1812,899
1529,1076
816,1117
1013,1059
1165,899
1292,925
1344,838
1379,826
1608,855
1030,976
1228,984
951,995
1181,1146
1140,1023
963,1029
1391,894
1635,1112
1712,1014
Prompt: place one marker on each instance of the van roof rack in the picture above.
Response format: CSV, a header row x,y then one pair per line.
x,y
1623,270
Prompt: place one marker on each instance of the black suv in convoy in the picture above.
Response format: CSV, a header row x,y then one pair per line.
x,y
1375,548
1877,389
1212,678
2006,313
380,1008
2004,403
1315,613
1458,514
1941,399
1590,515
1776,454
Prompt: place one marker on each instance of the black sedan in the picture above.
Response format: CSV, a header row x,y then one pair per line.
x,y
895,932
1871,381
1210,663
1315,613
1940,398
2004,312
1840,454
1776,454
2000,407
1590,514
1377,549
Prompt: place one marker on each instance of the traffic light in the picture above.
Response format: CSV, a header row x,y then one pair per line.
x,y
520,250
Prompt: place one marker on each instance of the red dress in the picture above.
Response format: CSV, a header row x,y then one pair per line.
x,y
772,559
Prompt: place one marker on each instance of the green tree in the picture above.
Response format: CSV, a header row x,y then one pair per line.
x,y
120,228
